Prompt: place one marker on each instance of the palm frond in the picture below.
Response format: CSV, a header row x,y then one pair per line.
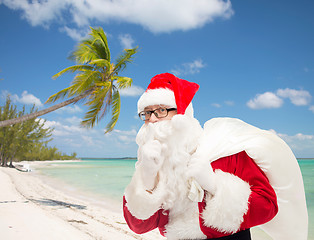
x,y
95,47
59,95
101,38
84,52
123,82
115,107
96,106
106,106
100,63
100,93
91,116
72,69
99,50
125,58
86,80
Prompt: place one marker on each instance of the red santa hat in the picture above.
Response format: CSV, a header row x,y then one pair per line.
x,y
169,90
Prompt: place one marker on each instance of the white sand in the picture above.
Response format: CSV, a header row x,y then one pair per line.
x,y
30,209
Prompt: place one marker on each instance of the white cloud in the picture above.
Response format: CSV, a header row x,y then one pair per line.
x,y
297,97
229,103
73,129
126,137
296,137
69,137
126,41
217,105
27,99
301,136
4,94
311,108
265,100
88,140
69,109
76,34
73,120
301,144
133,91
155,15
275,100
130,132
49,124
61,130
58,129
38,12
189,68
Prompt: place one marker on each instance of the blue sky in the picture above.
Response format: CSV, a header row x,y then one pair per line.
x,y
253,60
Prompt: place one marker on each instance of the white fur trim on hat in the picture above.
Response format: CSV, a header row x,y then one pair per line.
x,y
159,96
189,111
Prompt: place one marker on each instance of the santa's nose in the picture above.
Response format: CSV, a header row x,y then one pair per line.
x,y
153,118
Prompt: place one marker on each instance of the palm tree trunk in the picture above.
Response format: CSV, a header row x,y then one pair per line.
x,y
4,161
1,158
44,111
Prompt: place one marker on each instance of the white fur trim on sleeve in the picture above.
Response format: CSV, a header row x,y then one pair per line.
x,y
141,203
225,210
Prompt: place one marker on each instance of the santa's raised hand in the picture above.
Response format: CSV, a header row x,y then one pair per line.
x,y
150,162
200,170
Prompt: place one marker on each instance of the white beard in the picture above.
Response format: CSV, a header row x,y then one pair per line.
x,y
180,137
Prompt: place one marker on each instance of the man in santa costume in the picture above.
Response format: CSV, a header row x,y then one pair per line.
x,y
214,182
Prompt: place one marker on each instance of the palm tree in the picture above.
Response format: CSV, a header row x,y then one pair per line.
x,y
97,82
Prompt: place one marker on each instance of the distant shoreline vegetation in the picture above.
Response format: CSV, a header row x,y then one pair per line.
x,y
27,140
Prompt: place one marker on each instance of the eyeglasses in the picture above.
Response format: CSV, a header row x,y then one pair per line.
x,y
159,113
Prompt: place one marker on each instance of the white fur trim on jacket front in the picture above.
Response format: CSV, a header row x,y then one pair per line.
x,y
225,210
141,203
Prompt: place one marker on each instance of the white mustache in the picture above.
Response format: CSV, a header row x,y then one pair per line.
x,y
181,132
160,131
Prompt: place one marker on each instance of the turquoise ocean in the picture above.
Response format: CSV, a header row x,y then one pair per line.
x,y
107,179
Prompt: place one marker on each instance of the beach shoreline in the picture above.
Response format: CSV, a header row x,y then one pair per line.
x,y
31,203
31,209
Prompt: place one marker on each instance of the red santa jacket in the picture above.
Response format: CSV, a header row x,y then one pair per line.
x,y
244,198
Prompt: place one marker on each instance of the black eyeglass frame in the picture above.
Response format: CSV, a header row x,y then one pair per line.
x,y
155,113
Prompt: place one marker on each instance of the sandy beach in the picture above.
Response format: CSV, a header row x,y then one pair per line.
x,y
30,209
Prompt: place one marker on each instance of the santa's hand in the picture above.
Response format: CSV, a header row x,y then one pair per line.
x,y
201,171
150,162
